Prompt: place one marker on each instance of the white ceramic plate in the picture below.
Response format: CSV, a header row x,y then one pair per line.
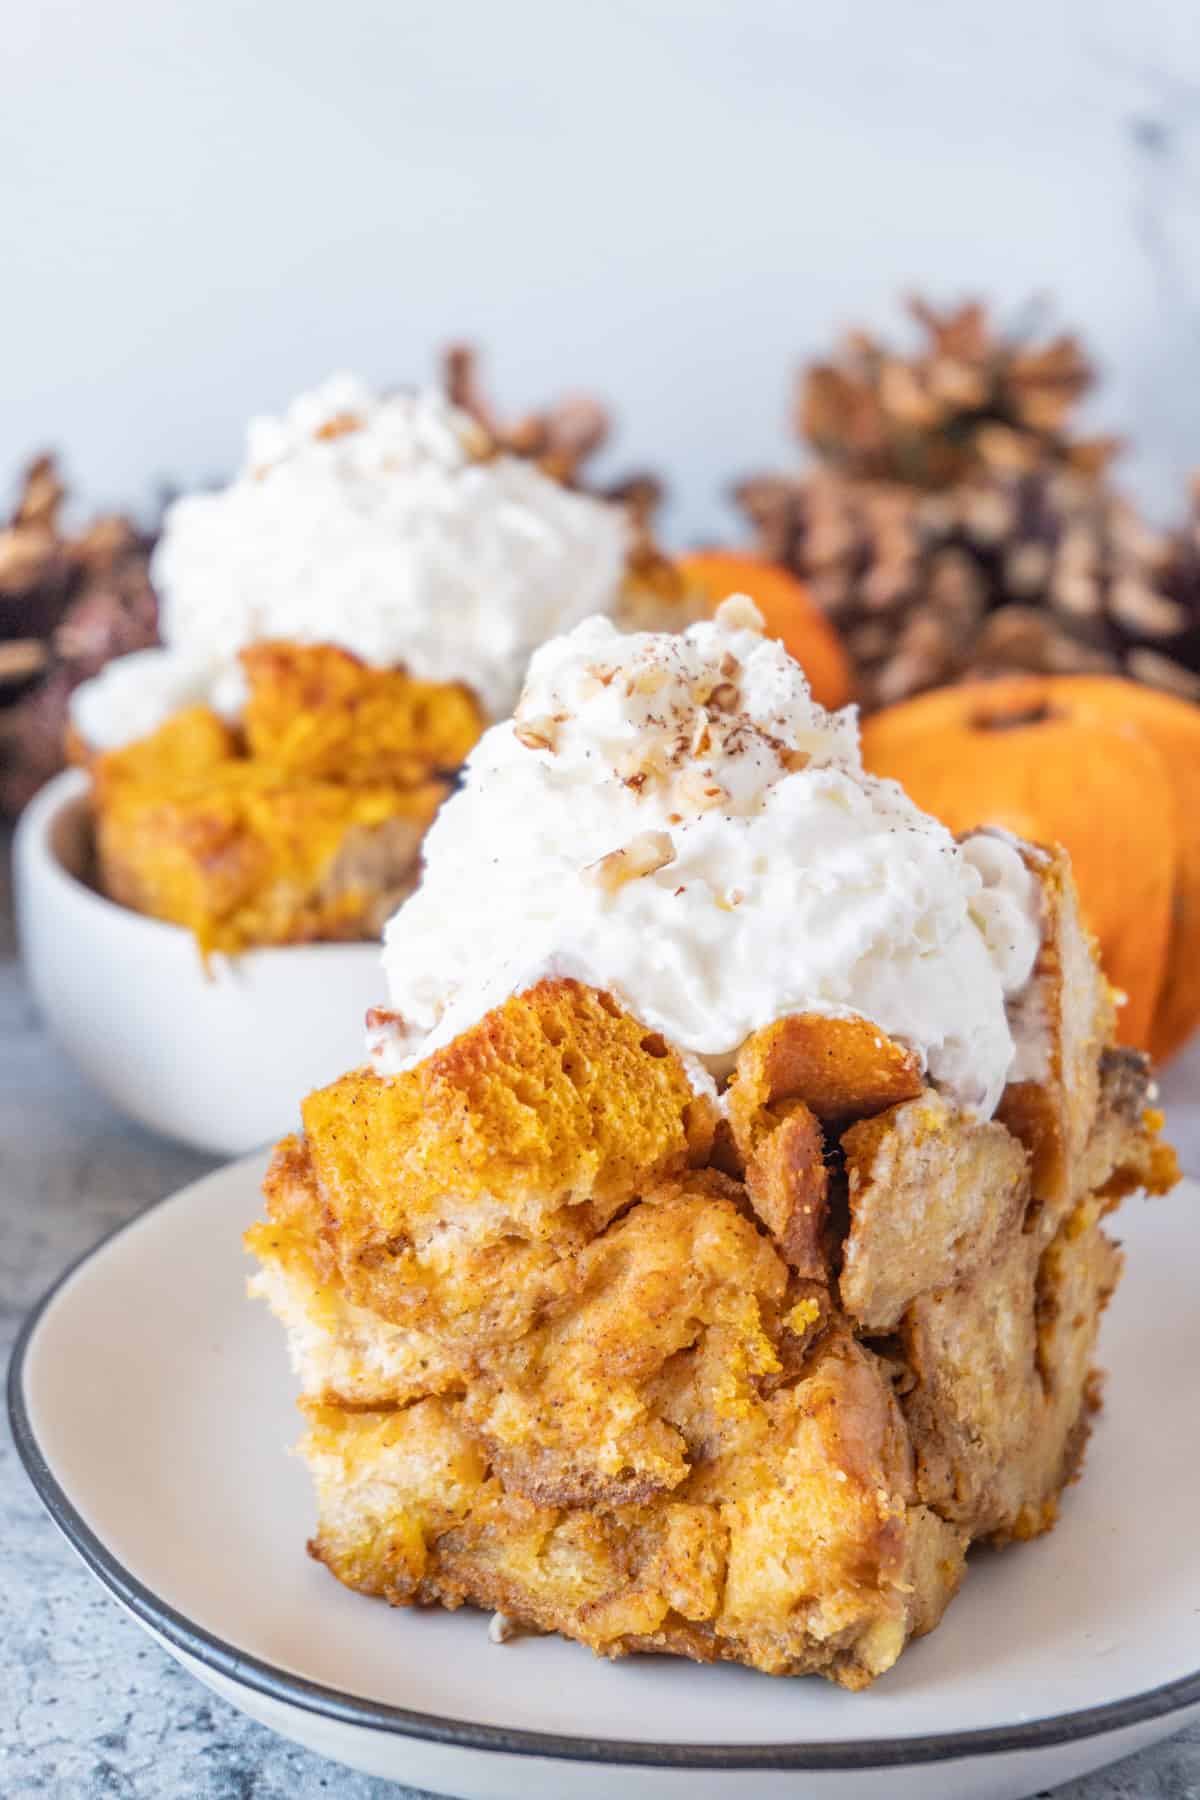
x,y
152,1406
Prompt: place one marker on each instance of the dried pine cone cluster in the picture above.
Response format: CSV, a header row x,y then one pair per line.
x,y
68,604
560,439
955,527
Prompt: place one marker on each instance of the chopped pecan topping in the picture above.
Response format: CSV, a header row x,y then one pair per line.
x,y
536,734
644,854
341,425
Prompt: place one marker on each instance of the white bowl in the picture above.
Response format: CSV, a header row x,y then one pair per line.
x,y
218,1057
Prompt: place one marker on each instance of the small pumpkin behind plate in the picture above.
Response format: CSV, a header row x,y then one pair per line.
x,y
1101,765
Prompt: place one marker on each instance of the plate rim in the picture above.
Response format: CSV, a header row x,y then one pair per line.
x,y
224,1659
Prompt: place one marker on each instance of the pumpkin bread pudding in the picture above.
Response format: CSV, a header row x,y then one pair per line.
x,y
339,624
303,821
714,1245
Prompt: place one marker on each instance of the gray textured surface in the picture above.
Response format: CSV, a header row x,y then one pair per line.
x,y
90,1709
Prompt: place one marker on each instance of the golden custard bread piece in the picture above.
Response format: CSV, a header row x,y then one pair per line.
x,y
306,823
570,1351
242,855
189,746
930,1195
453,1192
317,711
343,1354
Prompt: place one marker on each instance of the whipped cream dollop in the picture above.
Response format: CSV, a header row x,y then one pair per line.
x,y
675,819
380,523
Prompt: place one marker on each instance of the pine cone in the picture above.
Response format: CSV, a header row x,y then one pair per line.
x,y
966,400
561,439
955,528
34,579
1173,660
68,604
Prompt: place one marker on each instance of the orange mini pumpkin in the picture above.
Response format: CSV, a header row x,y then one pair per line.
x,y
1108,768
790,612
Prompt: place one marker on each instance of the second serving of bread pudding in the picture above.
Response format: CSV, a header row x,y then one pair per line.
x,y
714,1246
339,622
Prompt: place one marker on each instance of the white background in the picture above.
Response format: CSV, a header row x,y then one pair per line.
x,y
207,206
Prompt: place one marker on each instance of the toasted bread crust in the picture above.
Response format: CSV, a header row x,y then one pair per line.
x,y
842,1069
931,1194
1072,1007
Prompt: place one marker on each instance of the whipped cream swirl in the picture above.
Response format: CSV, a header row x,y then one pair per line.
x,y
378,523
675,819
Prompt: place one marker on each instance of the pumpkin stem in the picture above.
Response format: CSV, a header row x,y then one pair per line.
x,y
1037,712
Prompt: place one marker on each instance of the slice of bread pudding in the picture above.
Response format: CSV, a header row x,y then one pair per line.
x,y
715,1247
736,1383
